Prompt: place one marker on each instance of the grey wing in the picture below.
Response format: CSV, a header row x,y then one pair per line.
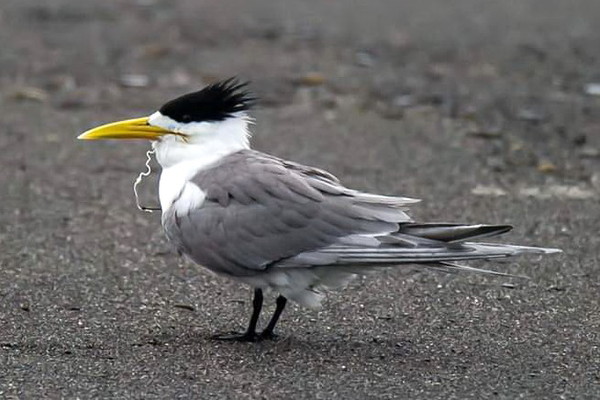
x,y
260,211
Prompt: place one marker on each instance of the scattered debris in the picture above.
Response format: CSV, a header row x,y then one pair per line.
x,y
589,152
154,50
184,307
29,93
592,88
530,115
312,79
558,191
403,100
134,80
595,180
546,167
547,192
491,191
478,132
364,58
509,285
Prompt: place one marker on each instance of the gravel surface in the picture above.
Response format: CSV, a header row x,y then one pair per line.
x,y
488,111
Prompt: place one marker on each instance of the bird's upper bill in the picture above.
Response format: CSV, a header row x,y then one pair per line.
x,y
184,116
137,128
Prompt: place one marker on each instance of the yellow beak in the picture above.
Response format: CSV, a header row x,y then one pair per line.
x,y
137,128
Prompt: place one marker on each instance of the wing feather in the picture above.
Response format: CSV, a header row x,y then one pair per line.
x,y
260,210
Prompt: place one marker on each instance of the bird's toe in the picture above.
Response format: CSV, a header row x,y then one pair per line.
x,y
237,337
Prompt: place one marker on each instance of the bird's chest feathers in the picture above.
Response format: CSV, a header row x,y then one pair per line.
x,y
176,190
182,160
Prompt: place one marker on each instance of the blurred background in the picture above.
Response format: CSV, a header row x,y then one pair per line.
x,y
487,110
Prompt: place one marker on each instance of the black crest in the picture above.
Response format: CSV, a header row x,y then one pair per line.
x,y
215,102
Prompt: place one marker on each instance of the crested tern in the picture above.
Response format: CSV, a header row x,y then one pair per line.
x,y
276,224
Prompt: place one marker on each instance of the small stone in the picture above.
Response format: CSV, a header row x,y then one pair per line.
x,y
490,191
404,100
595,180
154,50
485,133
184,306
546,167
365,58
589,152
29,93
592,88
558,191
312,79
134,80
530,115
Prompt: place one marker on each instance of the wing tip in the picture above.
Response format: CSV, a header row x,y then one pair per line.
x,y
550,250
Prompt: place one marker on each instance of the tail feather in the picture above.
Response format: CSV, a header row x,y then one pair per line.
x,y
444,255
453,233
402,255
454,267
437,245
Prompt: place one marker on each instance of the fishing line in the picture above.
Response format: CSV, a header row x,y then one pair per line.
x,y
139,179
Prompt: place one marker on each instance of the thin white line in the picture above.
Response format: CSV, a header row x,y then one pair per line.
x,y
138,180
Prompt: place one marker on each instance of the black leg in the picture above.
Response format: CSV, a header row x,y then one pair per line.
x,y
250,334
256,308
268,332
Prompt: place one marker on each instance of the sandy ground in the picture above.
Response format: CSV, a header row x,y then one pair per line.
x,y
488,111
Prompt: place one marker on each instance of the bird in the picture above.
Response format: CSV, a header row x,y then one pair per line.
x,y
279,225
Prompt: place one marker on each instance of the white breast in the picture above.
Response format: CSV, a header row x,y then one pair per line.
x,y
175,184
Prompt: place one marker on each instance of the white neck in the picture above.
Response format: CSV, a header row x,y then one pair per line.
x,y
204,144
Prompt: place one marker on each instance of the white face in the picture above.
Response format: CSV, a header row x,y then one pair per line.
x,y
200,140
185,128
193,130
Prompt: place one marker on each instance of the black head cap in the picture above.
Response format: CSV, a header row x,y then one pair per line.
x,y
215,102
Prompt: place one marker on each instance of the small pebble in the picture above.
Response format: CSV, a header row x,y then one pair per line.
x,y
184,307
134,80
29,93
485,133
491,191
530,115
312,79
546,167
365,58
593,89
589,152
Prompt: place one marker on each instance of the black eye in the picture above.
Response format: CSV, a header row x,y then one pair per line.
x,y
186,117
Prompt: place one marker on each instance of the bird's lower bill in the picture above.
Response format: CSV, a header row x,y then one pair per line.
x,y
137,128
